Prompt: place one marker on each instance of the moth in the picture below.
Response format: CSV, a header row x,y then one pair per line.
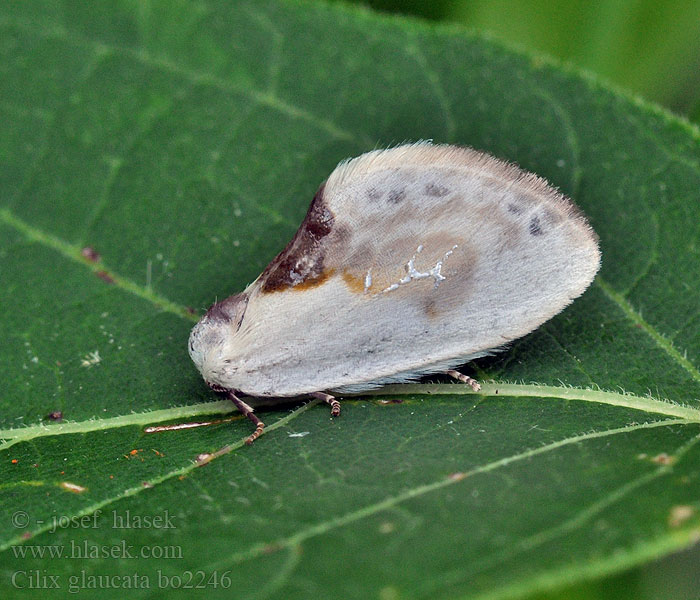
x,y
410,261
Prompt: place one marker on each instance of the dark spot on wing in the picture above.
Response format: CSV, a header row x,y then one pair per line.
x,y
535,227
342,234
552,217
520,203
374,194
396,196
301,262
430,307
437,190
361,256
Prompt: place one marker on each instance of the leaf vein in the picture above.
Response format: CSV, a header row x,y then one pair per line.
x,y
390,502
653,256
73,253
438,89
578,520
637,319
194,77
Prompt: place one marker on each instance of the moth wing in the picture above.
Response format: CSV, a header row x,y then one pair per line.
x,y
410,260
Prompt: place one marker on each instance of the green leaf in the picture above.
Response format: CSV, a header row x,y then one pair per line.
x,y
182,142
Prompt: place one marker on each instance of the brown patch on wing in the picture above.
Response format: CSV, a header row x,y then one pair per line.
x,y
389,265
458,286
355,283
313,282
300,264
430,307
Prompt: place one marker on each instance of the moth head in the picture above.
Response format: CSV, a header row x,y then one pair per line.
x,y
210,338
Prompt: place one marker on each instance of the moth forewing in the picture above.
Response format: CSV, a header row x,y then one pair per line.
x,y
409,261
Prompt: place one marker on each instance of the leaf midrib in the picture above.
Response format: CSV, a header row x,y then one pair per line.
x,y
687,414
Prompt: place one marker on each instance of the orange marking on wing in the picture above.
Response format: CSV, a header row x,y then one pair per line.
x,y
313,282
356,284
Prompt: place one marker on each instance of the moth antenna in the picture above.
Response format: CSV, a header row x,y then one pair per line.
x,y
330,400
473,383
248,412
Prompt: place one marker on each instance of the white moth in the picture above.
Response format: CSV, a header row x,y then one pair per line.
x,y
410,261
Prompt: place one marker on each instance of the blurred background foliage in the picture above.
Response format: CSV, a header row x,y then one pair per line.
x,y
649,47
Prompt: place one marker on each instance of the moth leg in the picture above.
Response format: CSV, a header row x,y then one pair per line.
x,y
328,399
473,383
248,412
